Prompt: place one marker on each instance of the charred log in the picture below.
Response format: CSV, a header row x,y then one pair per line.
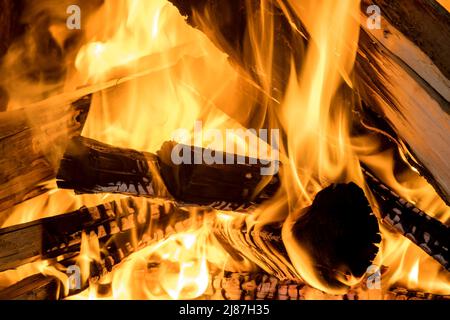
x,y
92,167
338,231
428,233
60,236
116,225
37,287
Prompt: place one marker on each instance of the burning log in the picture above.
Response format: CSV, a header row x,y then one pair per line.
x,y
428,233
338,231
403,75
58,236
117,222
89,166
402,72
32,141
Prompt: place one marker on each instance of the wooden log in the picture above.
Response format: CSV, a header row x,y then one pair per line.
x,y
338,232
263,245
89,166
122,227
180,179
61,235
405,80
32,141
412,95
429,234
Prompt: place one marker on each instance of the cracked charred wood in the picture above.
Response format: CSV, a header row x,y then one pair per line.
x,y
402,69
262,286
32,142
428,233
89,166
338,232
224,286
60,236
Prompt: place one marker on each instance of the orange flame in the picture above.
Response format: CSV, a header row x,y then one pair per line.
x,y
180,77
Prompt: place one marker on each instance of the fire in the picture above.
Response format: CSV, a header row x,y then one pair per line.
x,y
177,76
175,268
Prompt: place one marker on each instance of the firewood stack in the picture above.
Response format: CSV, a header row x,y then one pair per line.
x,y
157,198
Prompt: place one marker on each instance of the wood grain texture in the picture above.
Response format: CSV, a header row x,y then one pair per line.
x,y
32,141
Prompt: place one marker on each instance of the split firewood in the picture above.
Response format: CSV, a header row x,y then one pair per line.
x,y
428,233
339,205
33,141
89,166
402,71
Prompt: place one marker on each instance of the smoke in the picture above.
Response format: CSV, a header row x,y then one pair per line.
x,y
37,61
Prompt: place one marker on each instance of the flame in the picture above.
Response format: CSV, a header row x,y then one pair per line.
x,y
177,76
315,116
175,268
445,4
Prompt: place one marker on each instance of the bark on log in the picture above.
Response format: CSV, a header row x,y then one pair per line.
x,y
32,141
412,94
92,167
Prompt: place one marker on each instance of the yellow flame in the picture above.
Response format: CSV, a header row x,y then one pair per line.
x,y
175,268
179,77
